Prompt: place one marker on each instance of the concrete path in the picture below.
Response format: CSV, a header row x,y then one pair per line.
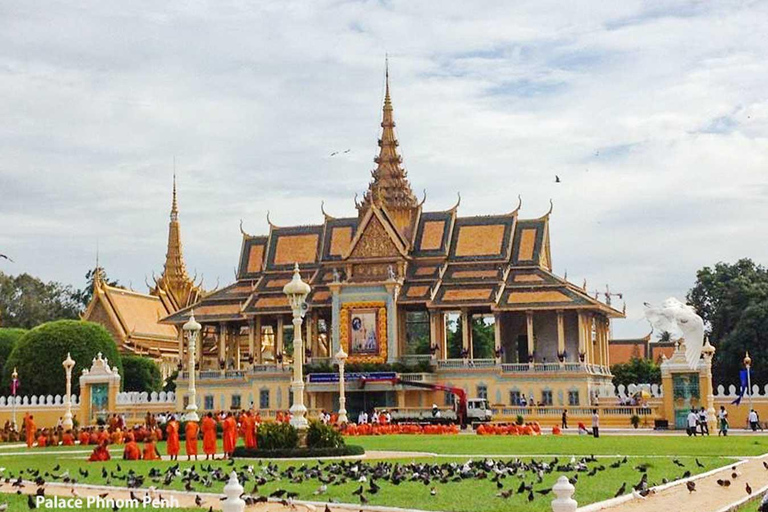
x,y
708,496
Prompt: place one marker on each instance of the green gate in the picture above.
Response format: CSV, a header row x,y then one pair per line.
x,y
99,401
686,395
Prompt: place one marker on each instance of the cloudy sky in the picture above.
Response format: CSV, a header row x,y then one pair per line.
x,y
654,115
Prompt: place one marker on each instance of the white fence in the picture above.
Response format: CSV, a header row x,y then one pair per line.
x,y
37,401
135,397
610,391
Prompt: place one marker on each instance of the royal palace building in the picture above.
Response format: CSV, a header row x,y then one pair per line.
x,y
427,296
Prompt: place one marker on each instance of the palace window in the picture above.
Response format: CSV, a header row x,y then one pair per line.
x,y
453,336
573,398
546,397
236,402
417,332
483,336
514,398
264,399
450,399
208,402
482,392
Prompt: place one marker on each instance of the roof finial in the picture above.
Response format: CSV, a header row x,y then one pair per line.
x,y
174,204
386,79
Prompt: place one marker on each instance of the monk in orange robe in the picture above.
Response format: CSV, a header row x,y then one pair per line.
x,y
131,451
93,438
67,439
190,433
209,436
116,437
31,431
172,435
42,439
230,435
150,449
83,437
158,433
249,429
100,453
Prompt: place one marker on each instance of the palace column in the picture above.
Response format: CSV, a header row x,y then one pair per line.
x,y
237,352
582,336
433,333
258,357
529,326
223,343
437,333
466,333
561,337
497,337
606,340
279,336
588,335
310,337
181,347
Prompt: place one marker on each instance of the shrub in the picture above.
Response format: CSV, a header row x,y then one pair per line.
x,y
141,374
343,451
277,436
39,353
635,420
8,339
520,420
170,382
320,435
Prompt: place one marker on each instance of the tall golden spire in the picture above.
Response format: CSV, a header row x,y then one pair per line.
x,y
390,187
175,281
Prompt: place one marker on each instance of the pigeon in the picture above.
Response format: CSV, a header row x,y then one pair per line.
x,y
31,502
748,488
505,494
198,500
557,178
433,491
691,486
637,495
765,465
699,464
321,490
621,490
723,483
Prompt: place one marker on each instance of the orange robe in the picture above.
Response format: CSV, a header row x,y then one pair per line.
x,y
249,426
84,438
41,441
100,454
93,438
131,451
117,437
31,431
230,434
159,433
172,434
209,435
150,451
190,432
67,439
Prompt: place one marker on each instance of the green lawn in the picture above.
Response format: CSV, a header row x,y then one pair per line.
x,y
577,445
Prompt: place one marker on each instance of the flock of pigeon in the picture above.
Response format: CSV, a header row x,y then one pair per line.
x,y
510,478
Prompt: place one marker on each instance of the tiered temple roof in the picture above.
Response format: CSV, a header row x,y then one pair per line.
x,y
438,259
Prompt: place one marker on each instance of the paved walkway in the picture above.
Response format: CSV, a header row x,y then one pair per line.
x,y
708,497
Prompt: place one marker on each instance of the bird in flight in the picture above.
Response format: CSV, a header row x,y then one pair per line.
x,y
3,256
337,152
557,178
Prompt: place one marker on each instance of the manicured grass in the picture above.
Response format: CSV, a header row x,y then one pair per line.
x,y
578,445
19,503
464,496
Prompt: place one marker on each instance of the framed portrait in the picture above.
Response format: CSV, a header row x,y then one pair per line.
x,y
363,331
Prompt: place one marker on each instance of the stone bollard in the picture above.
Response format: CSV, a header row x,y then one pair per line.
x,y
564,492
233,490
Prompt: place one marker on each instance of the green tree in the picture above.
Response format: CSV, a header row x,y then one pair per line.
x,y
725,296
84,295
39,353
8,339
636,371
141,374
483,338
170,382
26,301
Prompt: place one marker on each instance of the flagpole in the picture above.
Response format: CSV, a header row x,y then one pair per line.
x,y
748,364
14,385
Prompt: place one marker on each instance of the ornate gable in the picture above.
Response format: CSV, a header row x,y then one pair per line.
x,y
376,239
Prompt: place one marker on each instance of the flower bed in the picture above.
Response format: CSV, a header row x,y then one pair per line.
x,y
529,429
287,453
380,430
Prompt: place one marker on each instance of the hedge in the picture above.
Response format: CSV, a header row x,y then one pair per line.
x,y
9,336
39,353
343,451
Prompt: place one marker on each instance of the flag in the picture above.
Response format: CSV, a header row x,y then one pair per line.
x,y
15,386
744,380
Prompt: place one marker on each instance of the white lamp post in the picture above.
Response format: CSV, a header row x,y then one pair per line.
x,y
14,386
748,364
192,328
297,291
341,357
68,364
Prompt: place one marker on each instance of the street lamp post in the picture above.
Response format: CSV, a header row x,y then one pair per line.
x,y
192,328
14,387
341,357
748,365
68,364
296,291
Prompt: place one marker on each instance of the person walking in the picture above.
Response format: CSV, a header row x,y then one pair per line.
x,y
703,422
693,423
564,419
722,420
753,420
595,424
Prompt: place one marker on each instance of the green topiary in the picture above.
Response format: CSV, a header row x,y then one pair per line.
x,y
8,339
141,374
39,353
320,435
277,436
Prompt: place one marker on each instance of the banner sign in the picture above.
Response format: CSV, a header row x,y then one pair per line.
x,y
325,378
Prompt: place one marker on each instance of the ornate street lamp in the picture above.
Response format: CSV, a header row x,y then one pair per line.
x,y
68,364
296,291
192,328
14,388
748,365
341,357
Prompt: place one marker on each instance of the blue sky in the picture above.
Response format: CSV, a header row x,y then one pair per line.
x,y
655,118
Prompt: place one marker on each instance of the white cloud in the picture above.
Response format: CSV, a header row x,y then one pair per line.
x,y
654,117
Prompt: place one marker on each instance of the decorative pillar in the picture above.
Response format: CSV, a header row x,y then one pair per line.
x,y
561,337
297,291
192,328
497,337
68,364
259,357
181,347
223,343
607,344
341,357
279,336
564,491
582,338
706,376
530,333
237,352
466,333
251,339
